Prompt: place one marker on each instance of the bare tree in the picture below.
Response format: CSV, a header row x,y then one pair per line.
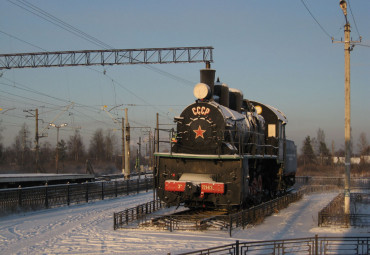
x,y
110,144
97,145
76,148
46,153
62,151
22,146
323,150
308,154
363,145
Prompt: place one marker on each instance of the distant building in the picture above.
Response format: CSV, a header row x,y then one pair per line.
x,y
354,160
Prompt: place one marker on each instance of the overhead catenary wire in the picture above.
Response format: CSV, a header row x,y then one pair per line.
x,y
55,21
52,19
79,33
21,40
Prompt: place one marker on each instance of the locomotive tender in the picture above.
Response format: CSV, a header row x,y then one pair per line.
x,y
227,151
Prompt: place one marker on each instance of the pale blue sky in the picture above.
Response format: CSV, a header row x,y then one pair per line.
x,y
272,50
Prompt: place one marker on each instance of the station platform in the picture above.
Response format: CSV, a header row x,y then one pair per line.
x,y
28,180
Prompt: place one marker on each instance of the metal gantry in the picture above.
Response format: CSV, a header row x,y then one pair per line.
x,y
107,57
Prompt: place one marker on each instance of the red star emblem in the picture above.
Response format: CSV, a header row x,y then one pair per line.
x,y
199,132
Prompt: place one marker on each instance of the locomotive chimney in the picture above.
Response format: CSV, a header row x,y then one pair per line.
x,y
207,76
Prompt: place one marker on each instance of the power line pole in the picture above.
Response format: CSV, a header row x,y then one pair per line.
x,y
157,142
57,147
37,140
123,146
347,105
138,157
150,151
36,115
127,147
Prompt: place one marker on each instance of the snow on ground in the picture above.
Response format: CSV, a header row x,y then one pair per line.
x,y
88,229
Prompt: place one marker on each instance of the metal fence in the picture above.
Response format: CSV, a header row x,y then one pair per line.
x,y
257,213
33,198
310,245
123,218
200,221
333,214
355,183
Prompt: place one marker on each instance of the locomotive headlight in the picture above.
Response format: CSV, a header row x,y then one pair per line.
x,y
202,91
258,109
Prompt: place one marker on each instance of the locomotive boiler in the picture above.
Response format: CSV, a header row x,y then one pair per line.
x,y
226,152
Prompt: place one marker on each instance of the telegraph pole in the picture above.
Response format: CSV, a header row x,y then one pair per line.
x,y
57,147
138,157
37,140
347,105
150,151
36,115
127,147
123,146
157,142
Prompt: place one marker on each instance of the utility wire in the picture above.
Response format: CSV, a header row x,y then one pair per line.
x,y
353,17
318,23
14,37
65,26
364,45
54,20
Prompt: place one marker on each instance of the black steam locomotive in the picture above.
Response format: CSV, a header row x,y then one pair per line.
x,y
227,151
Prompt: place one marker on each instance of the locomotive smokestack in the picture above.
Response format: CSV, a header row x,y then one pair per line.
x,y
207,76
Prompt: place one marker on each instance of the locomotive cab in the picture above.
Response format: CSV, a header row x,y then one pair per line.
x,y
275,122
